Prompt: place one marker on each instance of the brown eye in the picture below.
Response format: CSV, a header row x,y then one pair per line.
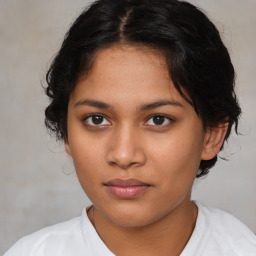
x,y
96,120
159,120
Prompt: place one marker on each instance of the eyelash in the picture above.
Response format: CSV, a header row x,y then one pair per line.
x,y
166,118
85,120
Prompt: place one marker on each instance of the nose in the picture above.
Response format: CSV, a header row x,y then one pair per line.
x,y
126,149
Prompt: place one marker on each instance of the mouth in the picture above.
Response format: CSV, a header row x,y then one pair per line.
x,y
126,189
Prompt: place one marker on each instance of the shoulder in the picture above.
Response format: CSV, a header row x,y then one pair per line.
x,y
44,241
228,233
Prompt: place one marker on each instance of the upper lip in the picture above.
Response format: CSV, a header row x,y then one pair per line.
x,y
125,183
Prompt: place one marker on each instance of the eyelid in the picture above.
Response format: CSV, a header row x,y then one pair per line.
x,y
171,120
94,125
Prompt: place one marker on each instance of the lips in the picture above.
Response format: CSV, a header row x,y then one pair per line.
x,y
126,189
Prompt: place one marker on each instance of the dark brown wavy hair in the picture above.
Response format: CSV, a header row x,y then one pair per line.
x,y
197,59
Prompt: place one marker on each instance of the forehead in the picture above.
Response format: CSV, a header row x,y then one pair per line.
x,y
120,61
122,74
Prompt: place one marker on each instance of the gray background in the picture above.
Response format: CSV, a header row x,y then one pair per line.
x,y
37,180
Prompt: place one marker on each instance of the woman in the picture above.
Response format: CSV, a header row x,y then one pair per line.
x,y
142,94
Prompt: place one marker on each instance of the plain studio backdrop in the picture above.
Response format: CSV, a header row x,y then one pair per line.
x,y
37,180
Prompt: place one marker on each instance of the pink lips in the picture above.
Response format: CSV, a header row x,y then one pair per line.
x,y
126,189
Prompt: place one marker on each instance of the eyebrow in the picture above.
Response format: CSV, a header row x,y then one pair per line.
x,y
93,103
160,103
148,106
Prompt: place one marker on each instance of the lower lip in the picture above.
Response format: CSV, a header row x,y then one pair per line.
x,y
127,192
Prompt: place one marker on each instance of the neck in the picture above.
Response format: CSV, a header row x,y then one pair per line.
x,y
167,236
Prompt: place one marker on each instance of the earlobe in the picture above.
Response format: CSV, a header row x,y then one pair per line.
x,y
67,147
213,141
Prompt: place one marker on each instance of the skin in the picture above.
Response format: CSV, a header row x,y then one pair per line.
x,y
128,144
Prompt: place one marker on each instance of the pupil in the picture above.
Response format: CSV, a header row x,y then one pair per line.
x,y
97,119
158,120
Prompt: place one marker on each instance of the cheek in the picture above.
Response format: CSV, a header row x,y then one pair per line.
x,y
87,157
89,170
177,157
175,165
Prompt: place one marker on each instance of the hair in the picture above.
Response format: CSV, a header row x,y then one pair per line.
x,y
197,60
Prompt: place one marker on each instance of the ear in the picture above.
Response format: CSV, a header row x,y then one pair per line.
x,y
213,141
67,147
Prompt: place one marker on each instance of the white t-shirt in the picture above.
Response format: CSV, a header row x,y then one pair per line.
x,y
216,233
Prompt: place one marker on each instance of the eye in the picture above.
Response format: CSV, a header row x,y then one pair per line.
x,y
96,120
159,120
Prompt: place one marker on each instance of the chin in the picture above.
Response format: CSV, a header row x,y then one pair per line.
x,y
131,217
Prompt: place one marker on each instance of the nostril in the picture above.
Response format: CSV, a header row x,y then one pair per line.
x,y
112,163
123,165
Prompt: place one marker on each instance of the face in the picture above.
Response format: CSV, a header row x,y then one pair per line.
x,y
135,142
